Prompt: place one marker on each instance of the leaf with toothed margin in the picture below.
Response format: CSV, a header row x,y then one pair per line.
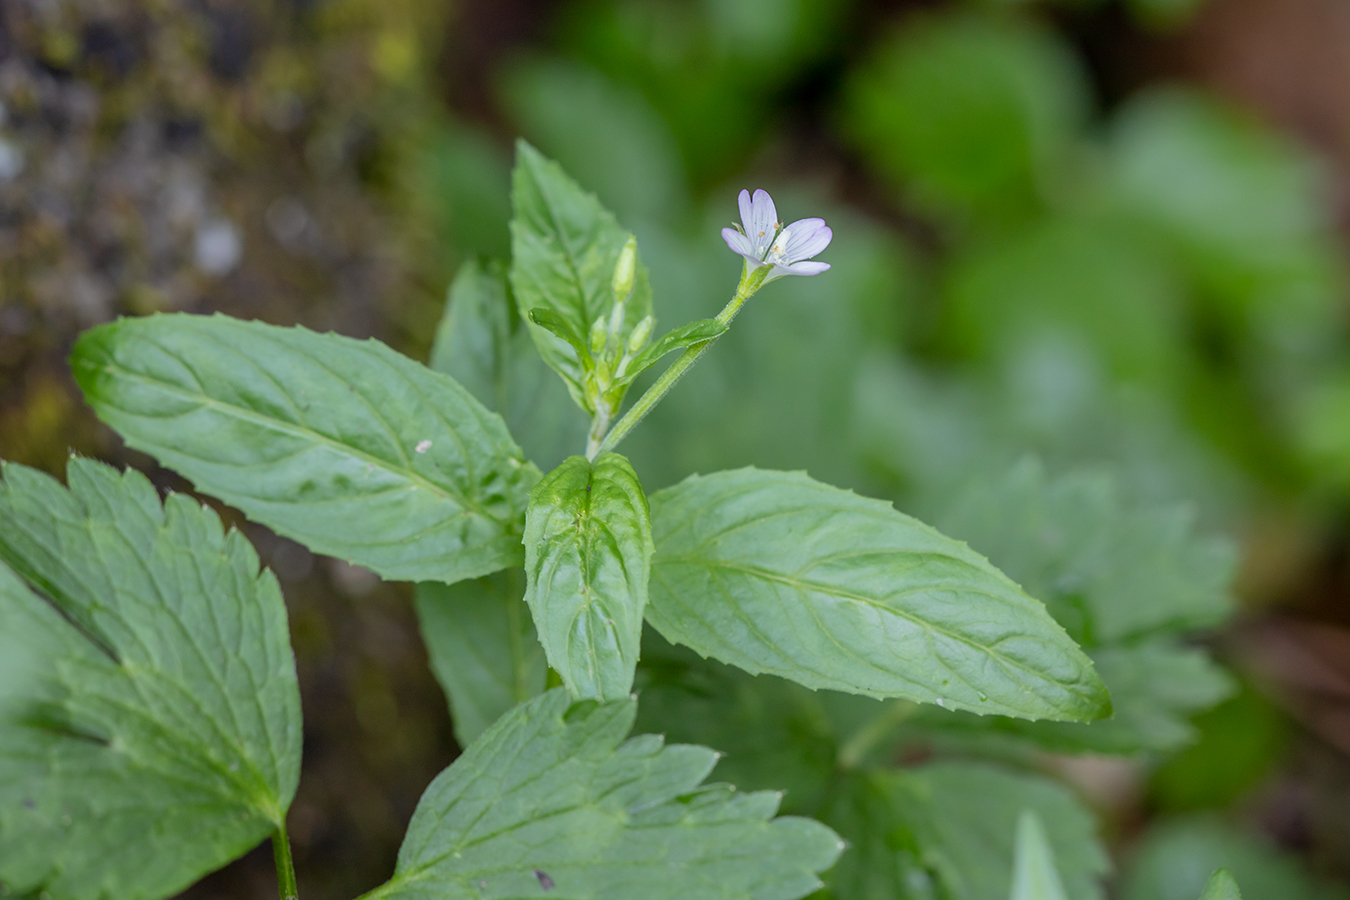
x,y
588,551
343,445
552,802
149,713
774,572
564,247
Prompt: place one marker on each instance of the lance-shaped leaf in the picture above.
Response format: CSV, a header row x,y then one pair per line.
x,y
483,647
1221,887
556,325
564,246
549,803
484,345
149,714
777,573
588,551
343,445
698,332
1034,874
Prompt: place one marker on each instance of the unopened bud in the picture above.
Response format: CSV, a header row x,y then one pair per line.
x,y
602,375
625,270
599,335
638,339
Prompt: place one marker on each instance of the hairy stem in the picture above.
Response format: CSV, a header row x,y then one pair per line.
x,y
281,852
750,282
599,422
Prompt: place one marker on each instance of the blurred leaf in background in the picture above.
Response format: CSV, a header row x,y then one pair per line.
x,y
1175,859
969,115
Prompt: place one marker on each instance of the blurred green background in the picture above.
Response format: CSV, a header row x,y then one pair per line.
x,y
1111,235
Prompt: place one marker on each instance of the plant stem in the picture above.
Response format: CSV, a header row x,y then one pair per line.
x,y
281,851
862,742
750,282
599,422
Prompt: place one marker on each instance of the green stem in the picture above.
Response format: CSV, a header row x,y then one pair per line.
x,y
281,851
599,422
750,282
866,738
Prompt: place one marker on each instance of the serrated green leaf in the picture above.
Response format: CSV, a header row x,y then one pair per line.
x,y
149,713
343,445
564,246
483,344
1034,874
698,332
548,802
588,551
482,646
1221,886
774,572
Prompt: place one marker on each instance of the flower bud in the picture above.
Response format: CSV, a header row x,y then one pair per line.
x,y
599,336
641,333
625,270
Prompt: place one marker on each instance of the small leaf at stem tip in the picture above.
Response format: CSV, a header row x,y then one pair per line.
x,y
697,332
1221,886
556,324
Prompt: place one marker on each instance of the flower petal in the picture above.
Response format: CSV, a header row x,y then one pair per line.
x,y
763,219
806,238
747,211
802,268
738,242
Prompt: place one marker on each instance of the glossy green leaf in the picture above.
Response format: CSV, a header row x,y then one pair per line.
x,y
484,345
482,646
1221,886
548,802
149,713
777,573
699,332
342,445
588,551
564,246
1034,874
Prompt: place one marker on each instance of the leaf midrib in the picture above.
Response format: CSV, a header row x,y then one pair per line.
x,y
833,590
294,429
